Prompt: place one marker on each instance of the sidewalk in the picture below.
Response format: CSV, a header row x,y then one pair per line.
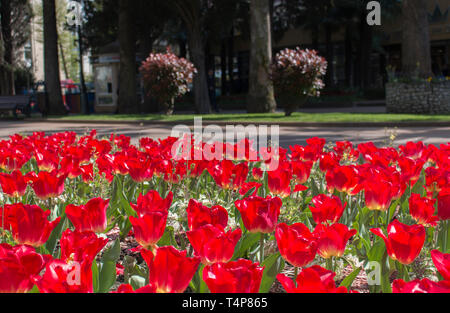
x,y
289,134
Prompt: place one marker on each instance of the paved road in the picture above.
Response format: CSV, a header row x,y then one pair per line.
x,y
289,135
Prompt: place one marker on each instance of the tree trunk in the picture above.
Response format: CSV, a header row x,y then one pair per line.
x,y
3,86
348,54
147,105
231,62
63,59
363,69
366,55
315,32
197,49
7,47
329,77
51,60
416,52
223,68
183,50
127,100
261,92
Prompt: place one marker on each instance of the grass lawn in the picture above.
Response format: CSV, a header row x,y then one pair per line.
x,y
265,117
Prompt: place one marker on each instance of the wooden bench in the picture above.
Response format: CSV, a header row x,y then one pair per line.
x,y
16,104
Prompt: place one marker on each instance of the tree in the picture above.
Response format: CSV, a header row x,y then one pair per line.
x,y
261,92
416,51
127,102
15,16
51,64
145,22
192,12
7,73
67,49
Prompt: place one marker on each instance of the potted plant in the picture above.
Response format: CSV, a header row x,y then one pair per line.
x,y
297,74
167,77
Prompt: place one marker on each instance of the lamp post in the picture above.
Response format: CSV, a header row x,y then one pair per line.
x,y
83,98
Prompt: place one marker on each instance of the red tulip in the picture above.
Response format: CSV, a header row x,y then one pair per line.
x,y
332,240
436,179
197,167
378,194
174,172
327,208
199,215
70,166
126,288
19,266
47,184
328,161
227,175
272,156
87,172
301,171
81,246
29,224
140,169
212,244
296,243
89,217
120,269
299,188
152,202
403,242
14,184
12,159
105,164
46,160
444,204
442,263
246,187
149,228
413,150
258,214
314,279
422,210
343,179
63,276
311,152
378,156
279,180
420,286
241,276
257,173
119,163
344,149
170,270
411,169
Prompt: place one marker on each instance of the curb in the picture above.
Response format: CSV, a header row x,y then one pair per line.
x,y
244,123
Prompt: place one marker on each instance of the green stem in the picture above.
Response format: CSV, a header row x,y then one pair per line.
x,y
446,233
295,275
403,272
387,215
3,223
376,217
261,248
329,264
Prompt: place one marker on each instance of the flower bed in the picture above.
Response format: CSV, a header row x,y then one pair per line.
x,y
72,206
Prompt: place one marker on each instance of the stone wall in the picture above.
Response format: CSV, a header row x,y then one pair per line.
x,y
418,97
